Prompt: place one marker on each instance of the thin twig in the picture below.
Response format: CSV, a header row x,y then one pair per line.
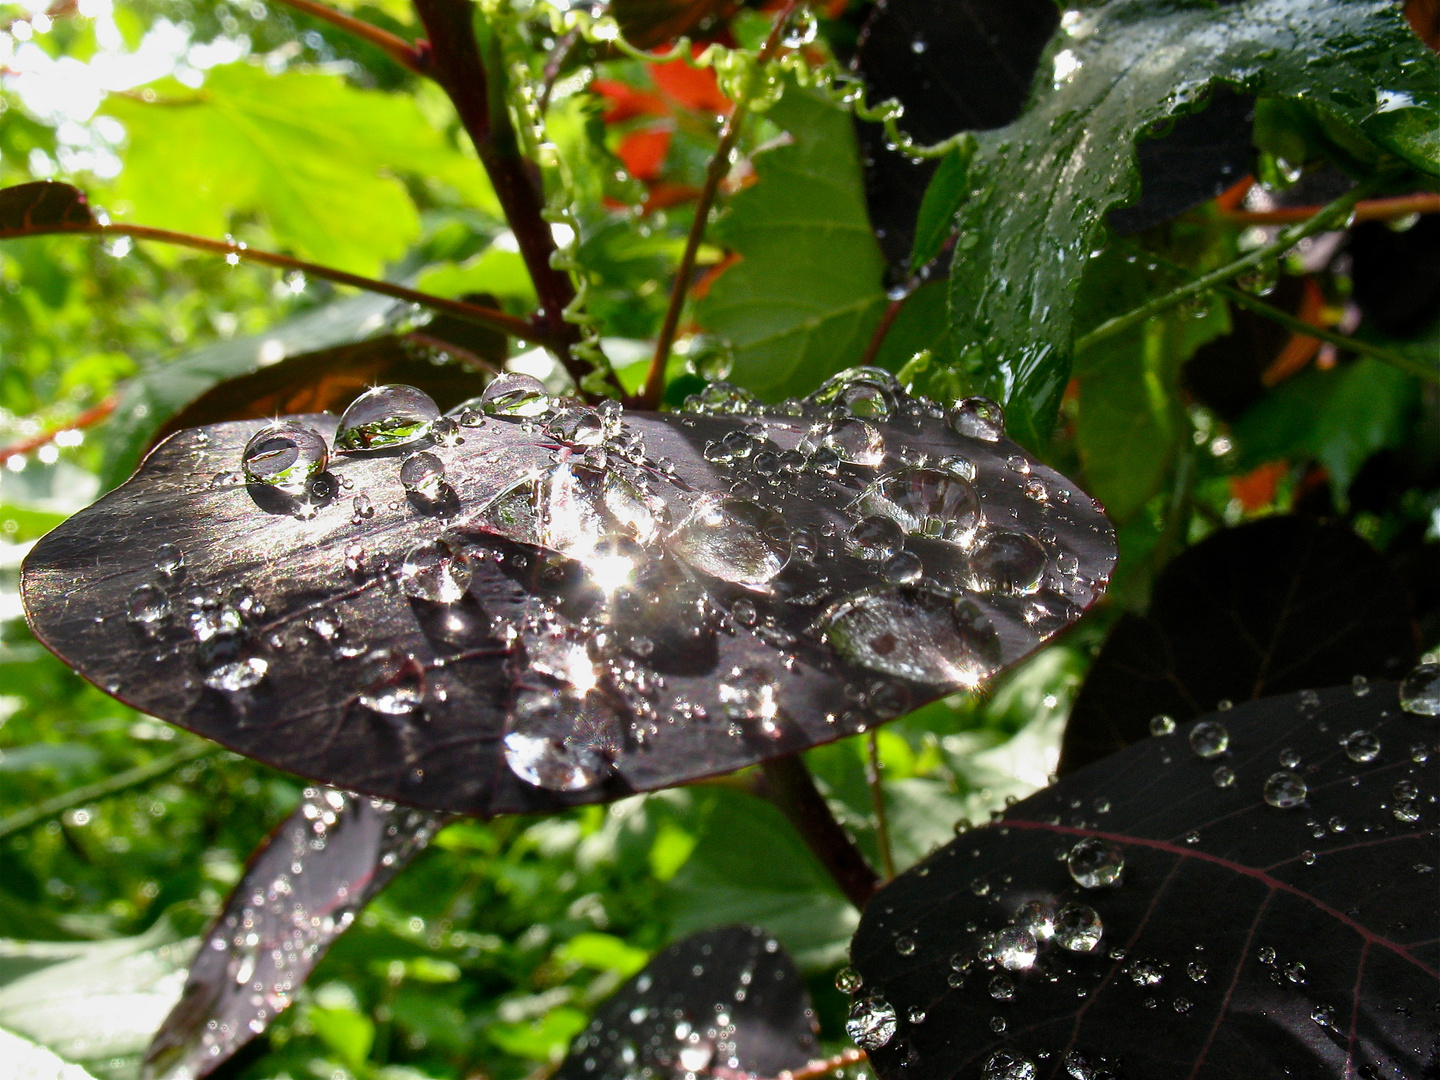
x,y
719,166
89,418
1389,209
553,64
103,789
789,786
811,1070
1300,326
1329,217
392,45
877,802
887,320
481,316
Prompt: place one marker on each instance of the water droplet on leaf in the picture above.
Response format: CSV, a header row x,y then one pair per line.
x,y
284,456
386,416
1209,738
1285,790
1095,863
513,393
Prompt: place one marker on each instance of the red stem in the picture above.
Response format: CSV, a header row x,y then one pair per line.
x,y
1367,210
789,786
89,418
654,388
397,48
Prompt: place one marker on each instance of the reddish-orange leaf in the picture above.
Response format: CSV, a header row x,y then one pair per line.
x,y
643,152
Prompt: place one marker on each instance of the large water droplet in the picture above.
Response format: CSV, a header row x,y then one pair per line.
x,y
423,475
1285,790
1095,863
436,571
386,416
394,683
848,980
1037,917
578,425
147,605
978,418
916,634
1209,738
237,675
1078,928
1009,563
925,502
562,741
284,456
861,391
1008,1065
515,394
169,561
735,540
1420,691
1361,746
854,440
872,1023
1015,949
1162,724
875,538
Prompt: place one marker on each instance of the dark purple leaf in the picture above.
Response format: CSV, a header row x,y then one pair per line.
x,y
726,1003
1242,938
649,24
43,207
1396,275
301,891
1261,609
640,611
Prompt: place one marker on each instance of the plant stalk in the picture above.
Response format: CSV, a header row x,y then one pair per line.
x,y
1329,217
877,803
103,789
790,787
481,316
397,48
654,388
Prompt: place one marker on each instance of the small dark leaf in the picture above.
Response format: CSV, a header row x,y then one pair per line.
x,y
301,891
724,1003
1265,608
649,24
1397,275
1272,913
43,207
567,605
330,379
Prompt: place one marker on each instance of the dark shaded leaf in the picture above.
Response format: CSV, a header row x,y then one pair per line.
x,y
718,1003
1205,153
1045,183
1264,608
649,24
1240,940
1396,275
955,66
43,207
301,891
943,196
681,635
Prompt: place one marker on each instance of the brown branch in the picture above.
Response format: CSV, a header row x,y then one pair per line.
x,y
719,166
789,786
456,64
89,418
415,57
812,1070
1388,209
887,320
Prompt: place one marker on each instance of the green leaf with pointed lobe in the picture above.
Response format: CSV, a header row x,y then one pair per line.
x,y
316,158
806,296
1041,186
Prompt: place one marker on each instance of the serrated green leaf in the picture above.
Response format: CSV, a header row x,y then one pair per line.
x,y
806,296
1041,186
316,158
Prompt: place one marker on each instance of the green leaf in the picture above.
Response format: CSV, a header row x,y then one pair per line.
x,y
130,982
1041,186
317,158
26,1061
749,866
603,952
1130,409
942,200
1337,417
806,296
348,1032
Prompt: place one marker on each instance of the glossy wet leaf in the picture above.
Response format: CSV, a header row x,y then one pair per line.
x,y
301,890
1043,184
565,605
1239,939
43,207
806,296
1260,609
718,1003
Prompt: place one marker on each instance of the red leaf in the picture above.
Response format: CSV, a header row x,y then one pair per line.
x,y
694,88
643,152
